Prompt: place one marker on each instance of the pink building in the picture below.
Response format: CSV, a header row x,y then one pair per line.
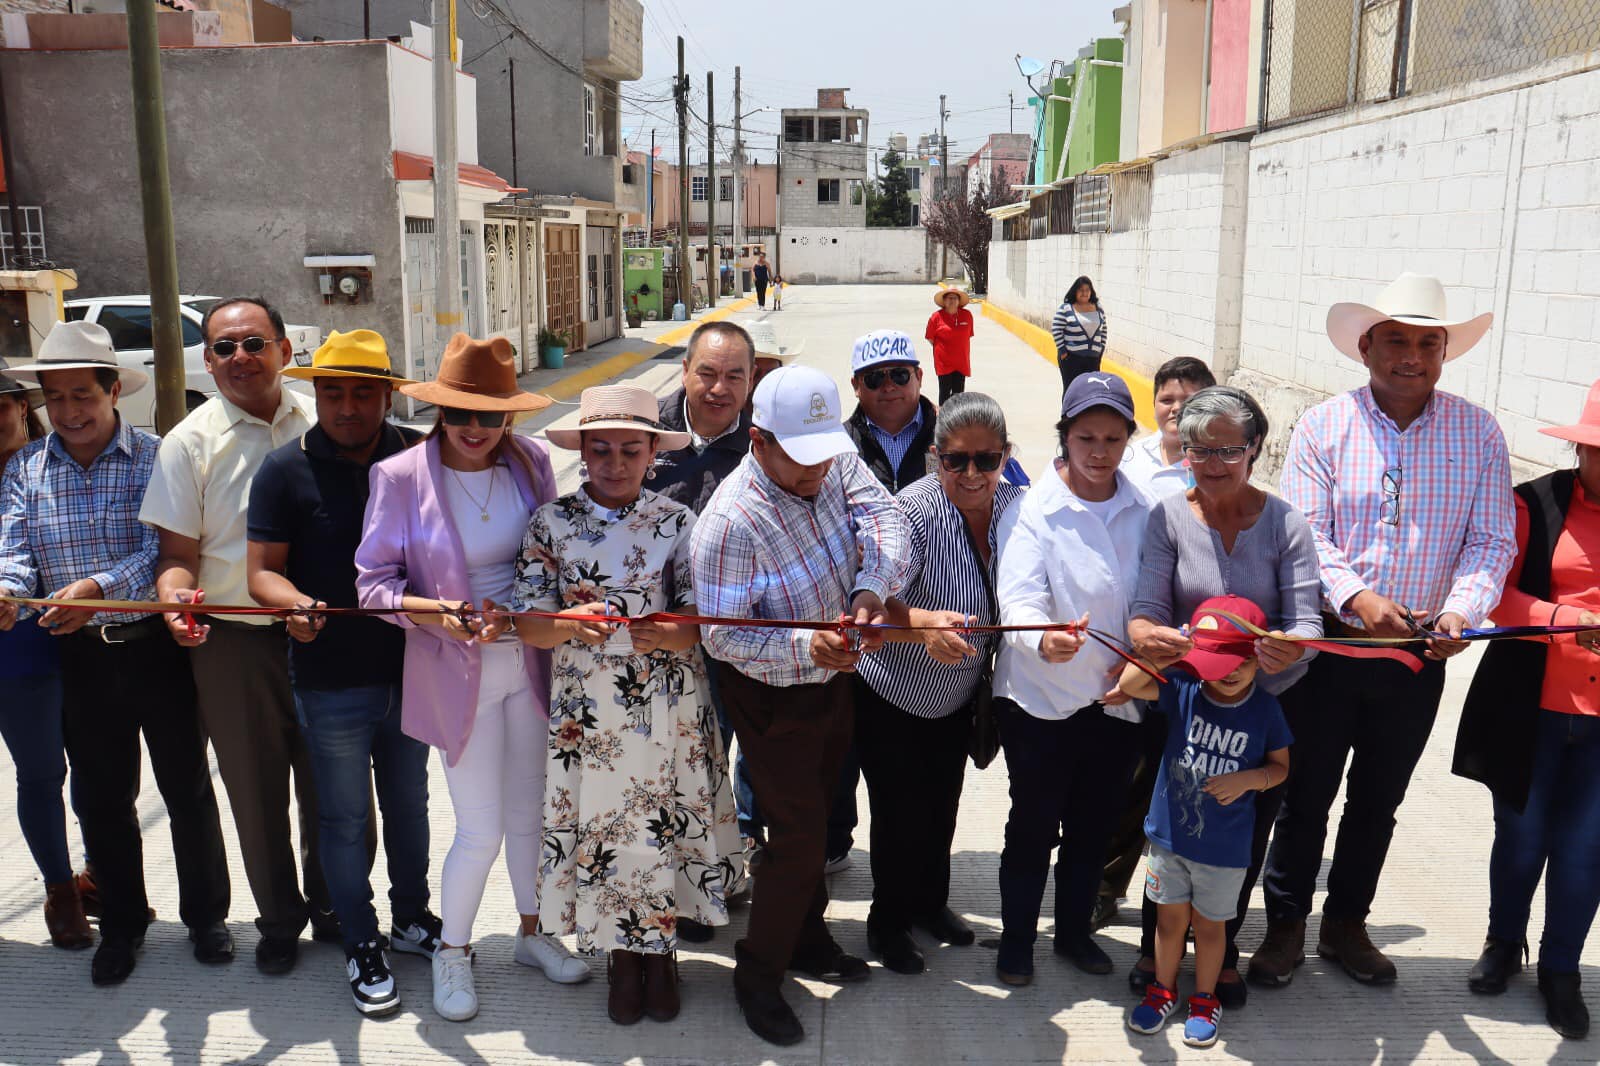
x,y
1001,163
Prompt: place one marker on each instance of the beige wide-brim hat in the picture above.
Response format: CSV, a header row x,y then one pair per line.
x,y
476,375
939,296
1414,299
79,346
618,407
10,386
765,338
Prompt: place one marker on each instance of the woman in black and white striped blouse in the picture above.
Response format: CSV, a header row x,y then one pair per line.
x,y
1079,329
913,720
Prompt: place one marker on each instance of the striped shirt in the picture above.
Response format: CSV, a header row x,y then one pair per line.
x,y
1454,540
61,522
1071,339
761,552
942,574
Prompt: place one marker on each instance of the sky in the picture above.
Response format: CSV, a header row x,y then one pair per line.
x,y
896,58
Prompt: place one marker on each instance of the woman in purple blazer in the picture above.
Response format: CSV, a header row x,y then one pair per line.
x,y
444,527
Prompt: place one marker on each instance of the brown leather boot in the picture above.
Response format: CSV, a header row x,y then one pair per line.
x,y
1281,950
1345,941
89,893
661,986
625,972
63,916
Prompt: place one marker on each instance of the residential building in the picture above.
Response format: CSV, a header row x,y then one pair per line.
x,y
759,190
1001,163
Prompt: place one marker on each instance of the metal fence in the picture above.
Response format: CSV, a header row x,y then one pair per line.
x,y
1089,203
1327,55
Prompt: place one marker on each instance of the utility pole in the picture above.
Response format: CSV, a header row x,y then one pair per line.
x,y
511,71
944,183
446,207
713,259
685,273
650,193
777,203
738,180
1011,111
160,245
366,20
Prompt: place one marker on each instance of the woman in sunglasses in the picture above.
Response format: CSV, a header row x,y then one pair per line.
x,y
444,528
1225,537
914,698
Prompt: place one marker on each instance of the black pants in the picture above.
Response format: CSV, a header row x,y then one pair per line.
x,y
1127,838
1377,715
914,769
761,292
1073,365
950,384
111,693
1068,780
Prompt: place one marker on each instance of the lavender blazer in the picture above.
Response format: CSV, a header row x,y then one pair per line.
x,y
410,544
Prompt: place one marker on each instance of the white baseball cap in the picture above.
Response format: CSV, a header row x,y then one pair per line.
x,y
800,406
880,347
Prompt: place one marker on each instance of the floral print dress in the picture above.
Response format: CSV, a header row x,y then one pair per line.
x,y
639,826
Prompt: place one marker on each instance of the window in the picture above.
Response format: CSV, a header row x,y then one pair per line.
x,y
697,188
128,325
798,129
594,288
828,191
591,123
611,283
830,129
725,189
856,196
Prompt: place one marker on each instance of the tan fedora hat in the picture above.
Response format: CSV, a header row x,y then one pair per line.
x,y
360,353
476,375
79,346
1414,299
944,291
618,407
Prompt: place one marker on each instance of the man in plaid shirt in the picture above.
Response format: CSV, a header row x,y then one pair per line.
x,y
1408,492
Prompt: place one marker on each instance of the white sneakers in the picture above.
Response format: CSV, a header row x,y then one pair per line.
x,y
550,955
454,996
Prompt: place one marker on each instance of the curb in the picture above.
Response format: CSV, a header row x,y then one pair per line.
x,y
567,387
1142,387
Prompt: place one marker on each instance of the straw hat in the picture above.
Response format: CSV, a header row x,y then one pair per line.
x,y
764,336
361,353
1414,299
618,407
939,296
79,346
1587,429
476,375
11,386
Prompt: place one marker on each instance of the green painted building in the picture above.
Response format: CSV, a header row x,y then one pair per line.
x,y
1094,90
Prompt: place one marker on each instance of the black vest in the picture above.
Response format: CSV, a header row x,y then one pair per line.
x,y
1495,742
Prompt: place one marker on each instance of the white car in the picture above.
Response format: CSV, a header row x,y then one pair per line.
x,y
127,319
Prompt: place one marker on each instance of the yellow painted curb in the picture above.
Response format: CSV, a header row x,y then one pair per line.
x,y
1142,387
573,384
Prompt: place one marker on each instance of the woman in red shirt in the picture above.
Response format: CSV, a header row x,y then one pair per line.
x,y
1530,730
950,330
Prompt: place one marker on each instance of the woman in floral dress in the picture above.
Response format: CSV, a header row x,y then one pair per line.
x,y
639,819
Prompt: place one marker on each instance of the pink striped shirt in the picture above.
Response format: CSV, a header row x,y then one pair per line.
x,y
1454,539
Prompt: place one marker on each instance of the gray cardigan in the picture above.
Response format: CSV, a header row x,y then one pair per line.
x,y
1274,564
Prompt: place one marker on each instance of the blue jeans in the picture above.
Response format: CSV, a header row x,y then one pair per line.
x,y
1557,834
30,720
350,732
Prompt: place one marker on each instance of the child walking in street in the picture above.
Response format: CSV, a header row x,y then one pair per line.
x,y
1226,740
777,292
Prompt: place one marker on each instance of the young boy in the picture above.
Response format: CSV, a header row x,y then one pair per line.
x,y
1226,741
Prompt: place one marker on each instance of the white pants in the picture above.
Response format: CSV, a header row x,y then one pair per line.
x,y
497,789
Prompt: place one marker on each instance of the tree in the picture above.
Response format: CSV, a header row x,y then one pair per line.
x,y
959,219
889,204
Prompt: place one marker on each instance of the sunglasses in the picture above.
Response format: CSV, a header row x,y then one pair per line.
x,y
456,416
226,349
986,462
873,379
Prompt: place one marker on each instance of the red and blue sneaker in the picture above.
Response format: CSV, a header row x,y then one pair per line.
x,y
1152,1012
1204,1014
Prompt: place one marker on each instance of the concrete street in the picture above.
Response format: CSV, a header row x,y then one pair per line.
x,y
1430,915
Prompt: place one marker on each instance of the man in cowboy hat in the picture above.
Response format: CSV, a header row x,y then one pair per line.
x,y
305,520
770,355
196,501
1408,491
801,530
69,529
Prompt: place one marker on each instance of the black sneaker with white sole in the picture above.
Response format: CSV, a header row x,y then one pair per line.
x,y
419,936
371,983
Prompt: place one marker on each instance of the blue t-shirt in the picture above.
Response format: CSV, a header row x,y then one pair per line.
x,y
1205,739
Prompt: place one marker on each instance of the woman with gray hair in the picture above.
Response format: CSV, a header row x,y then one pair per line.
x,y
1225,537
914,697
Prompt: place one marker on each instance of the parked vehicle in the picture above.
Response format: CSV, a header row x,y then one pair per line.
x,y
127,319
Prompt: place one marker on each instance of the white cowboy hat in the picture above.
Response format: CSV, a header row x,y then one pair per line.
x,y
765,338
79,346
618,407
1414,299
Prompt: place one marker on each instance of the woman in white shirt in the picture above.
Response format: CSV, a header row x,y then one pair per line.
x,y
1079,329
1069,549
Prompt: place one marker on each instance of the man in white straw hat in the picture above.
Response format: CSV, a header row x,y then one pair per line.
x,y
770,355
1408,492
69,529
800,531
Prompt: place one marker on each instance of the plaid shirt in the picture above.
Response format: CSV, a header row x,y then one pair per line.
x,y
761,552
60,522
1453,542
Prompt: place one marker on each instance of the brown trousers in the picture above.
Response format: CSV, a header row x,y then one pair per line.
x,y
794,741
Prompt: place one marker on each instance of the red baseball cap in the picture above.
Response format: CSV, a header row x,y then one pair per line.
x,y
1220,643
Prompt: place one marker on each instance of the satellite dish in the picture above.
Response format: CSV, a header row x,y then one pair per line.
x,y
1029,67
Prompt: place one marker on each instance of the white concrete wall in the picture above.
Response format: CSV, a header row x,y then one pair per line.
x,y
828,256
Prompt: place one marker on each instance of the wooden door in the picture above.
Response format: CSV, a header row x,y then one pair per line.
x,y
563,282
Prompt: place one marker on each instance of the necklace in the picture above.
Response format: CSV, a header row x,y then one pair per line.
x,y
483,508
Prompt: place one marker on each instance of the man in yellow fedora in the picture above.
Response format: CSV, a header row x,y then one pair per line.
x,y
304,524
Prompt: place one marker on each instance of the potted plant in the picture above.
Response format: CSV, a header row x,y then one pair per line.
x,y
552,348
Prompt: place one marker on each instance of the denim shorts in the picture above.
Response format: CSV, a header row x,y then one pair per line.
x,y
1213,891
